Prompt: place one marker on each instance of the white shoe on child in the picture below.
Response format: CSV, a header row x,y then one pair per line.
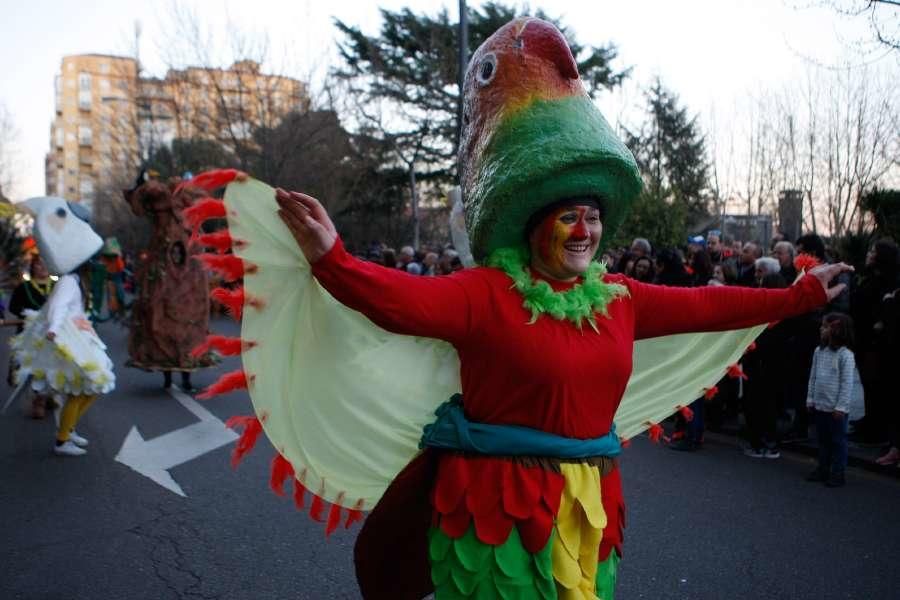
x,y
81,442
68,448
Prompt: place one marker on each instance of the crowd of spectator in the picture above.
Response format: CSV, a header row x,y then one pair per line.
x,y
776,390
771,403
428,260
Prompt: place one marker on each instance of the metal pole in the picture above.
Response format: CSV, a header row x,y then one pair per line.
x,y
415,205
463,60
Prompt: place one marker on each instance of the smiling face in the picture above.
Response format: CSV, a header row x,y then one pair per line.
x,y
565,241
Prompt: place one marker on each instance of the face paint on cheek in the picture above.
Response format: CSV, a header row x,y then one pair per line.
x,y
553,234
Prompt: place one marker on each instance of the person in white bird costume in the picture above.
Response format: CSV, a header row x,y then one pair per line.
x,y
59,352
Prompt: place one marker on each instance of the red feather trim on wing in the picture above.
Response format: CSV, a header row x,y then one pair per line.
x,y
252,428
656,433
233,300
229,382
299,493
210,180
221,241
229,266
334,516
226,346
625,444
317,508
735,372
203,210
751,347
281,471
710,393
686,412
354,514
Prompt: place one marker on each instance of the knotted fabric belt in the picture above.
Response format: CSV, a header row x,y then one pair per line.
x,y
452,431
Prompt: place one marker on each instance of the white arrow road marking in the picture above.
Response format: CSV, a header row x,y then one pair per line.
x,y
153,458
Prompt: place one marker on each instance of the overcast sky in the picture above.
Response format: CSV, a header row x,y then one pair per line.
x,y
710,52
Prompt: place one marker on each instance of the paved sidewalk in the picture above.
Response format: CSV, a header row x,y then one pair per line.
x,y
861,456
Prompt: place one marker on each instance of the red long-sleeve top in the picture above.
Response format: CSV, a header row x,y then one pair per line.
x,y
547,375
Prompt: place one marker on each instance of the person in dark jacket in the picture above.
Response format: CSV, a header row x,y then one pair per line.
x,y
670,269
867,305
31,295
764,367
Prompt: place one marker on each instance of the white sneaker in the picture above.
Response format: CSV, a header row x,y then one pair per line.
x,y
68,448
81,442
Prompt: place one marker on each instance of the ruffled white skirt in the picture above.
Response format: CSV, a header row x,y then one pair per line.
x,y
75,362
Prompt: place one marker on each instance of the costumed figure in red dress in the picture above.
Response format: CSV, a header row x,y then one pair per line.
x,y
170,311
488,462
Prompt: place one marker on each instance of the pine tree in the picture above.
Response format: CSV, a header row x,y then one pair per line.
x,y
410,68
670,150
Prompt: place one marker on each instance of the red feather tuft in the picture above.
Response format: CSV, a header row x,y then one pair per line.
x,y
751,347
625,444
252,428
686,412
281,471
354,514
203,210
229,266
710,393
229,382
233,300
804,262
317,508
226,346
299,493
655,432
221,241
735,372
211,180
334,519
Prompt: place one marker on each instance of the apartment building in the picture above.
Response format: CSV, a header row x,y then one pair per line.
x,y
109,118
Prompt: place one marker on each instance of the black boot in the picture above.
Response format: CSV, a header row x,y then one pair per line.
x,y
186,384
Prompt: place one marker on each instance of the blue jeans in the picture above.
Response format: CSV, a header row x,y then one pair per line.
x,y
831,434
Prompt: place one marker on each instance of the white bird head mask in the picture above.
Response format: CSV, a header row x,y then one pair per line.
x,y
63,234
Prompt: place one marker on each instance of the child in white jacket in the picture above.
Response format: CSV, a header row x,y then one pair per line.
x,y
828,399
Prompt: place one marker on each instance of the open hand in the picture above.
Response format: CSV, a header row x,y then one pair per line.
x,y
308,222
825,273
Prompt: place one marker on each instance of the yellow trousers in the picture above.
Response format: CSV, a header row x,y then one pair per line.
x,y
71,413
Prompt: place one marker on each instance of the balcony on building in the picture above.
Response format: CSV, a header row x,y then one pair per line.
x,y
84,100
85,136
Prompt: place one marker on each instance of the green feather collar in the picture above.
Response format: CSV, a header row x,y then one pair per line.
x,y
576,304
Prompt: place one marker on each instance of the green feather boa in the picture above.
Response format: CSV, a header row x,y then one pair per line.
x,y
576,304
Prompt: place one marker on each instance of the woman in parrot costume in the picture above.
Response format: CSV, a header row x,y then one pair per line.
x,y
488,461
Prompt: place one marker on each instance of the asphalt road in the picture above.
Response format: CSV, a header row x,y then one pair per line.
x,y
707,525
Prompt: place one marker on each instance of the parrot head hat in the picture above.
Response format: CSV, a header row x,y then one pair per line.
x,y
63,233
532,137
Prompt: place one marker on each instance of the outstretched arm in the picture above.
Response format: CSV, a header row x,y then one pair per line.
x,y
661,310
436,307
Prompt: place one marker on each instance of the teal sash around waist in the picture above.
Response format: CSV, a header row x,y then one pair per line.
x,y
452,431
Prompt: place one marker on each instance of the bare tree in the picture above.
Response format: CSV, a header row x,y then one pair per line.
x,y
219,90
881,16
8,156
834,135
